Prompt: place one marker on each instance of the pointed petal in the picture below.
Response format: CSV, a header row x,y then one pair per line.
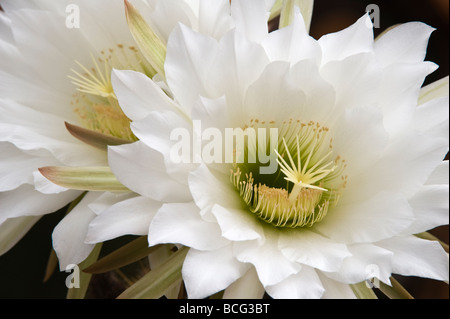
x,y
238,224
292,43
440,175
182,224
358,38
312,249
128,217
164,132
250,17
303,285
136,164
138,95
434,90
417,257
17,166
69,235
382,216
430,206
207,272
367,261
335,289
207,191
13,229
26,201
406,43
271,265
188,64
432,118
246,287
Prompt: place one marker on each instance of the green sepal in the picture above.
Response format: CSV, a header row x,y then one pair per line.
x,y
362,291
288,9
83,178
93,138
125,255
156,282
150,45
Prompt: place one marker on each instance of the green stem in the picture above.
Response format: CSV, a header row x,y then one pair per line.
x,y
158,280
362,291
397,291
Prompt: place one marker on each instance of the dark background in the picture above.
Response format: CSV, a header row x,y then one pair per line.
x,y
22,268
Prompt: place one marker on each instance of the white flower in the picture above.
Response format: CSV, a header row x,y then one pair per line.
x,y
54,68
360,164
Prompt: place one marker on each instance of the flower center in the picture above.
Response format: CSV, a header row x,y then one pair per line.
x,y
95,102
307,182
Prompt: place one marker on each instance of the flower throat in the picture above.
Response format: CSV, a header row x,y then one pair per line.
x,y
307,183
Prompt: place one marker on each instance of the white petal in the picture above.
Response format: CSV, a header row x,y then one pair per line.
x,y
404,166
335,289
292,43
107,199
214,18
207,272
367,261
138,95
128,217
320,94
430,206
418,257
303,285
246,287
440,175
45,186
382,216
238,64
213,113
188,62
312,249
400,88
165,132
238,224
271,265
12,230
406,43
17,166
360,138
432,117
26,201
357,38
273,89
207,191
434,90
167,14
250,17
31,130
182,224
69,235
142,170
360,75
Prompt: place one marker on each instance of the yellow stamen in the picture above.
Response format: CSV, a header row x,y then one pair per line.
x,y
307,162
